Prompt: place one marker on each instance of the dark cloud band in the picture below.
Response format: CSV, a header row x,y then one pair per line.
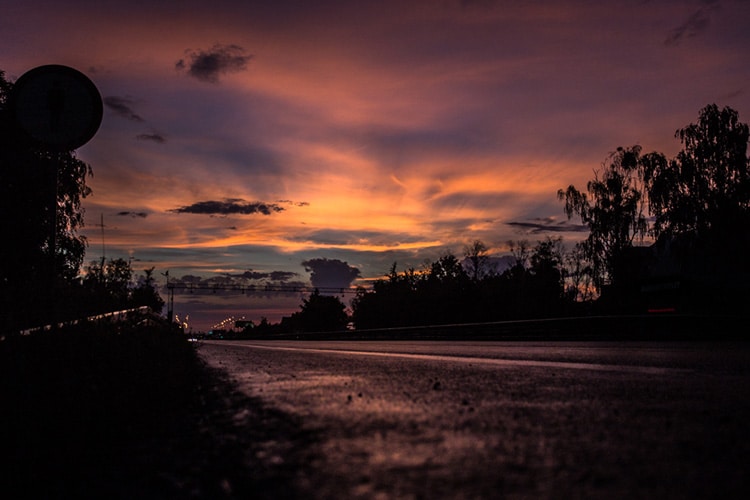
x,y
153,137
548,226
141,215
122,107
210,64
229,207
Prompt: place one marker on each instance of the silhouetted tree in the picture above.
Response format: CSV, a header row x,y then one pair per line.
x,y
365,309
109,284
477,258
447,270
444,293
707,186
546,277
321,313
5,87
515,276
579,274
399,297
614,209
700,201
520,250
263,326
547,258
145,292
533,285
701,204
379,307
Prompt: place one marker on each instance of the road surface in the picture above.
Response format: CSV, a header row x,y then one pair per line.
x,y
495,420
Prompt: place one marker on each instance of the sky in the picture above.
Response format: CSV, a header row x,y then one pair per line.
x,y
317,143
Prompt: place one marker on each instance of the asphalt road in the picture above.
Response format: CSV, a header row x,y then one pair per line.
x,y
495,420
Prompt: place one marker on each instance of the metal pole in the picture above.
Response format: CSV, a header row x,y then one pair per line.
x,y
55,164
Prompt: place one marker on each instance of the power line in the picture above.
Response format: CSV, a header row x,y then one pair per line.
x,y
259,289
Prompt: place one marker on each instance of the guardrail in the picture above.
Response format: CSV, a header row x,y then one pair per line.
x,y
121,315
664,327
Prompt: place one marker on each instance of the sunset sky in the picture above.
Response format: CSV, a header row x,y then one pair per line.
x,y
241,138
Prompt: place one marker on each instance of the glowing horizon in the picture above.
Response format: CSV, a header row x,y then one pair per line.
x,y
259,136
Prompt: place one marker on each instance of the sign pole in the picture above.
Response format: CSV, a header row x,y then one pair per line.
x,y
58,109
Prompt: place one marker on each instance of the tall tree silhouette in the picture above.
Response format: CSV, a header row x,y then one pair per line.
x,y
614,209
321,313
706,188
546,272
145,292
701,204
477,258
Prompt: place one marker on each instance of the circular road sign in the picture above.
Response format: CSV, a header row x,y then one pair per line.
x,y
58,107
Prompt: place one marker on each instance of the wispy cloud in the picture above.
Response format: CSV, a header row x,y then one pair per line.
x,y
547,225
229,207
153,137
411,128
209,65
295,203
122,107
357,238
694,25
134,215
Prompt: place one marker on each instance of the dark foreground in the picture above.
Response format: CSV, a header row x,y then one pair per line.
x,y
106,413
143,416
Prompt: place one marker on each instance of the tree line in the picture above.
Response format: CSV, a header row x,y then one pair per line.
x,y
693,210
670,233
449,290
695,207
452,290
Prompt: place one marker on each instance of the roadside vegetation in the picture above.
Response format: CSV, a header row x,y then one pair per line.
x,y
74,398
664,236
127,409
